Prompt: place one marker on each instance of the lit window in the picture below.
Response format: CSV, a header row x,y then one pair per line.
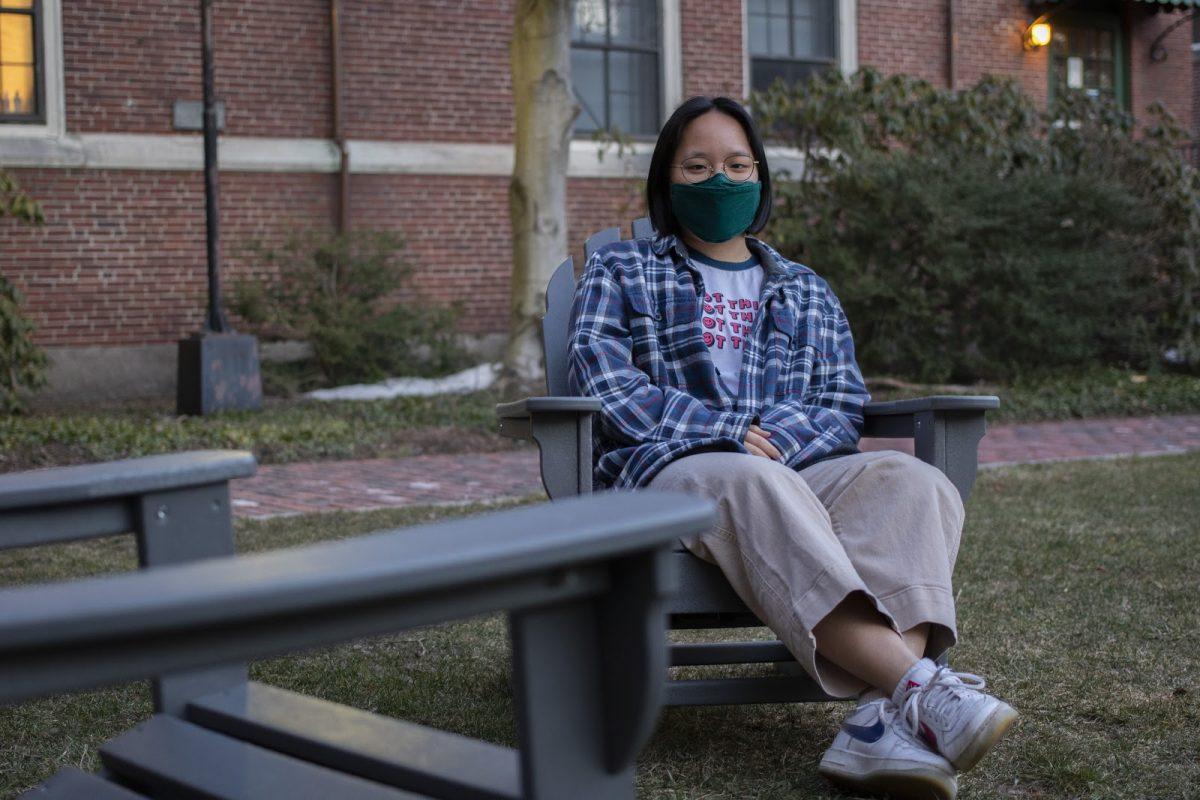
x,y
20,84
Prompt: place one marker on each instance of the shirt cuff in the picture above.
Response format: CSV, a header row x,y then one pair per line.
x,y
789,446
733,425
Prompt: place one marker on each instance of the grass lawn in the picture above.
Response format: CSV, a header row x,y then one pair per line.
x,y
284,431
1077,587
297,430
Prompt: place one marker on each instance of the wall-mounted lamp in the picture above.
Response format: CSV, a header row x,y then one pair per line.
x,y
1038,34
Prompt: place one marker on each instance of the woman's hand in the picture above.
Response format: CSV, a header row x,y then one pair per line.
x,y
757,444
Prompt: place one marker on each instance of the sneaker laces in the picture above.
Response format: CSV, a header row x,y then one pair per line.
x,y
955,687
892,717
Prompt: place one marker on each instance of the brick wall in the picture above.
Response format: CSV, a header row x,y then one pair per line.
x,y
1196,96
1169,81
429,71
121,258
904,36
593,205
432,71
711,32
126,63
458,235
990,40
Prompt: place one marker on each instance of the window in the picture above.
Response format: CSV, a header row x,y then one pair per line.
x,y
790,39
1087,54
614,65
21,92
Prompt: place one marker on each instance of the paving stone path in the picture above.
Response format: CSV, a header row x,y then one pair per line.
x,y
483,477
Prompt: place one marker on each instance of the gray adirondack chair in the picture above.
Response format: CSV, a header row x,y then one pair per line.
x,y
945,431
583,582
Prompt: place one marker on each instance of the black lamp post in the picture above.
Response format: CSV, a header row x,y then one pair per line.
x,y
218,368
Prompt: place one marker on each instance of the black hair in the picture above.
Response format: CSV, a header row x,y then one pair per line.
x,y
658,181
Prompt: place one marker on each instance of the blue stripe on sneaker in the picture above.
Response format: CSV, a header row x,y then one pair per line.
x,y
863,733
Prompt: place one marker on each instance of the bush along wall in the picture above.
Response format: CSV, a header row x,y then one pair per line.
x,y
971,236
22,363
343,294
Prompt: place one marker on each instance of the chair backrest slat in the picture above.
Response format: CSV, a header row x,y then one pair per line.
x,y
598,240
560,293
642,228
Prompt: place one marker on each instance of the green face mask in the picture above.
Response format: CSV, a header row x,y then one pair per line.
x,y
717,209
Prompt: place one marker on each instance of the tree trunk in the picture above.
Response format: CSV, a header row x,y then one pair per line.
x,y
540,58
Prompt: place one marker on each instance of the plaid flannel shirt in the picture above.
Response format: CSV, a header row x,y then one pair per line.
x,y
636,344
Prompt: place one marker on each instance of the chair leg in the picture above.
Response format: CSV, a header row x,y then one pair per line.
x,y
559,698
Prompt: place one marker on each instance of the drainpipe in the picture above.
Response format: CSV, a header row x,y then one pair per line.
x,y
950,43
339,133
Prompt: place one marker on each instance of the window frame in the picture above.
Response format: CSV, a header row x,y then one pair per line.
x,y
1100,20
35,13
659,51
837,9
53,127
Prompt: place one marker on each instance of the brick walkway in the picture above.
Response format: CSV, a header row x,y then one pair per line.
x,y
438,480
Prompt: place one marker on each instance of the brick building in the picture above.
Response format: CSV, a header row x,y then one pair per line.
x,y
90,90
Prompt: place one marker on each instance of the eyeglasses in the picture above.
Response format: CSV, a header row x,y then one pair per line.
x,y
737,168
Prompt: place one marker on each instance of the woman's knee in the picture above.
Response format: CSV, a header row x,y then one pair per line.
x,y
908,477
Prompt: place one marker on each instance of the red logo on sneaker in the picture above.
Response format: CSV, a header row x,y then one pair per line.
x,y
911,684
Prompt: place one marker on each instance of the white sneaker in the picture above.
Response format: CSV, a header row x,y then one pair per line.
x,y
876,752
950,710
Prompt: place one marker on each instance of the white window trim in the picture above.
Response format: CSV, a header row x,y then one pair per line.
x,y
847,39
671,55
185,153
52,74
847,23
745,49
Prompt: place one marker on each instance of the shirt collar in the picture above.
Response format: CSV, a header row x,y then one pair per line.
x,y
776,268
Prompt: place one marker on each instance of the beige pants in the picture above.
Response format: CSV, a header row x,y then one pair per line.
x,y
794,544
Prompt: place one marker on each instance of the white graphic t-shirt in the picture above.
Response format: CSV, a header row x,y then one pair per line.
x,y
729,307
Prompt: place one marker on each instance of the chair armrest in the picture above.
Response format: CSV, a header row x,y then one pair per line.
x,y
134,476
897,419
64,636
562,428
523,409
943,402
173,498
945,430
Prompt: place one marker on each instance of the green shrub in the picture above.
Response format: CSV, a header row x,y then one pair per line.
x,y
14,202
22,363
971,236
339,293
948,274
